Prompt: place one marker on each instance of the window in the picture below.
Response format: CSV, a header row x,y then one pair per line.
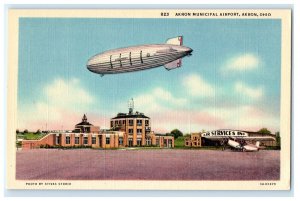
x,y
85,140
130,58
139,131
139,122
130,131
111,124
146,122
110,62
120,60
147,129
76,140
93,140
107,140
148,141
120,141
130,122
57,140
67,139
141,52
124,121
157,141
139,142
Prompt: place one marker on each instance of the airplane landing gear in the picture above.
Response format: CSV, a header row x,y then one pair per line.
x,y
223,143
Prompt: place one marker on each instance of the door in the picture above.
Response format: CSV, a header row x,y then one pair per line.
x,y
100,140
130,142
170,143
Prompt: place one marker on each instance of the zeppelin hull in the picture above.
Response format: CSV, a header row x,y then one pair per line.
x,y
136,58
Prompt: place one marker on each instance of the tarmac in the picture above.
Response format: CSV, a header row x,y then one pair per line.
x,y
160,164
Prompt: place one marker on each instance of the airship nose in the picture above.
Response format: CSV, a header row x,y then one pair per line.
x,y
92,62
89,67
189,52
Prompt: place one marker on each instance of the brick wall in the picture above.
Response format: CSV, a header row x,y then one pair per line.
x,y
31,144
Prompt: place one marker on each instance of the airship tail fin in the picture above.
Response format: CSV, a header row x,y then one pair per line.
x,y
173,64
175,41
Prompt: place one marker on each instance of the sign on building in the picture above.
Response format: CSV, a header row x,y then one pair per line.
x,y
224,133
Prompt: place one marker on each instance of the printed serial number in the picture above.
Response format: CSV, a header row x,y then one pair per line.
x,y
267,184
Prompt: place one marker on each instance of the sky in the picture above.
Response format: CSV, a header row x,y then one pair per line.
x,y
231,81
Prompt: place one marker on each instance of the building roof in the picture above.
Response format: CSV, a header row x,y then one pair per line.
x,y
132,115
84,122
162,134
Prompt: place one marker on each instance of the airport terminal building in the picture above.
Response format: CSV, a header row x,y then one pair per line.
x,y
126,130
135,125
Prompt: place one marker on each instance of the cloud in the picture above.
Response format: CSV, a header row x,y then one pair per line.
x,y
168,111
157,98
249,92
61,104
242,62
245,117
184,120
196,86
66,93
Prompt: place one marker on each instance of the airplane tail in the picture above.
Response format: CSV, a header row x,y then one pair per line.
x,y
177,63
257,144
174,64
175,41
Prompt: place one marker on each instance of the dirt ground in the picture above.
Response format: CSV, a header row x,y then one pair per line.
x,y
163,164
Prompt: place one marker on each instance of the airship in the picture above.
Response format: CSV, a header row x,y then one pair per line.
x,y
140,57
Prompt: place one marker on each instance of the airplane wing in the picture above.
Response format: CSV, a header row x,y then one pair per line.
x,y
261,138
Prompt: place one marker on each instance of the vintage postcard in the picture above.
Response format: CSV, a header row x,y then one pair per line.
x,y
149,99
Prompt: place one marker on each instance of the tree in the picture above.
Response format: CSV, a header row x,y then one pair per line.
x,y
176,133
25,131
38,131
187,135
17,131
264,131
277,136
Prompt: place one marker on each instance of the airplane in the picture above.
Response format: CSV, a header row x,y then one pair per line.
x,y
141,57
237,140
242,146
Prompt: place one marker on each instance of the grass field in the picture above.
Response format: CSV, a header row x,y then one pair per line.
x,y
31,136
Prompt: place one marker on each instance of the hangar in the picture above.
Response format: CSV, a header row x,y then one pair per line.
x,y
217,137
